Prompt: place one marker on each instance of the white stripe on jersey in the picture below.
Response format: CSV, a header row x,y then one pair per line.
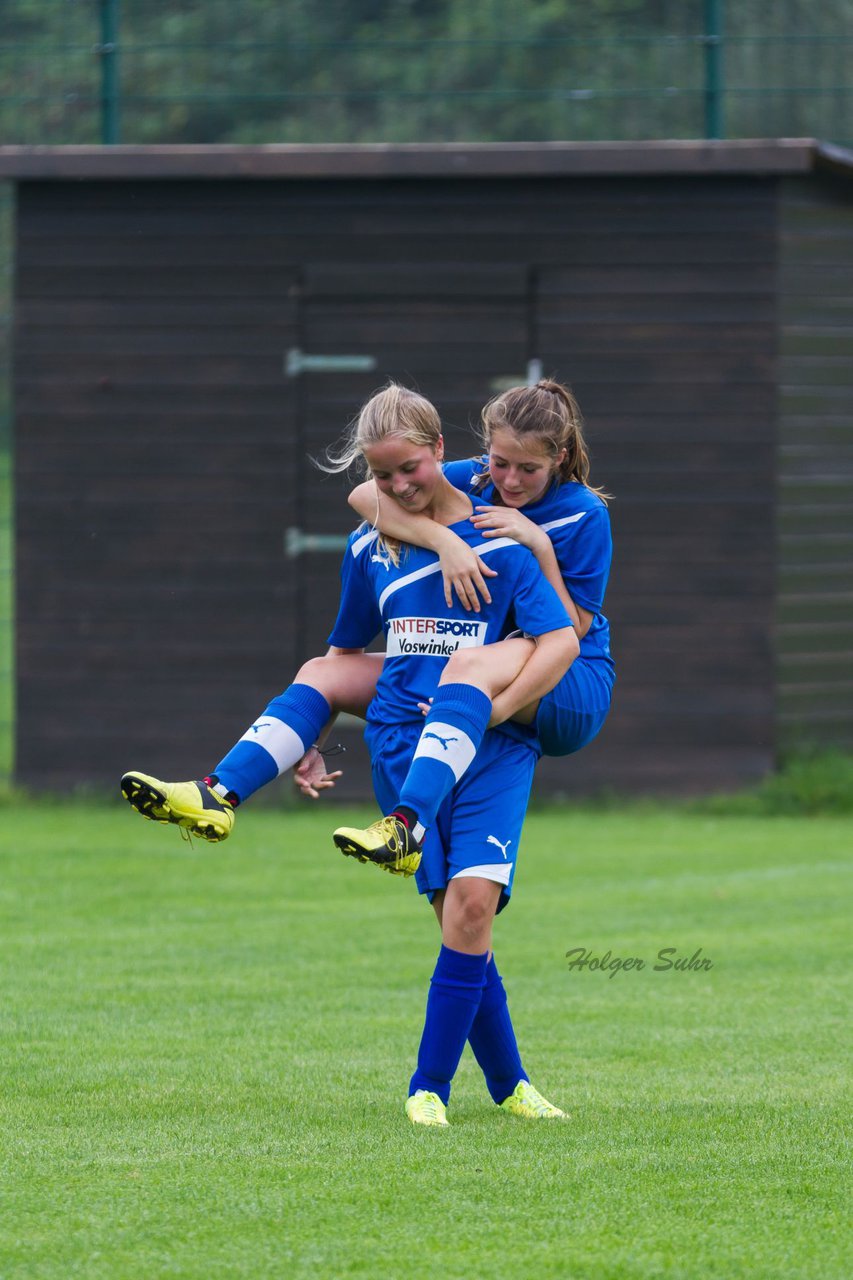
x,y
278,739
446,743
479,550
364,541
500,872
557,524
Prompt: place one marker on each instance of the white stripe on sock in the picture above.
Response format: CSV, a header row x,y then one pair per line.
x,y
448,744
278,739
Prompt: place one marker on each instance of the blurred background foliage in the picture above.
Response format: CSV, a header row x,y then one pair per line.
x,y
258,71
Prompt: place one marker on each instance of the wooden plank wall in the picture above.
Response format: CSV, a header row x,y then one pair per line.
x,y
161,450
668,335
152,469
661,306
815,614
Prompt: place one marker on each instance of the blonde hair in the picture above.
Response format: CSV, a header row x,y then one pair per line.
x,y
548,413
393,411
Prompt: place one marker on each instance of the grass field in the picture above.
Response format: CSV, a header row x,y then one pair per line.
x,y
205,1054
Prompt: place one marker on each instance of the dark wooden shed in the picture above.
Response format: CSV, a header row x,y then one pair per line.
x,y
192,324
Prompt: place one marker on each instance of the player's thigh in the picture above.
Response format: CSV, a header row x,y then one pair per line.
x,y
490,667
346,680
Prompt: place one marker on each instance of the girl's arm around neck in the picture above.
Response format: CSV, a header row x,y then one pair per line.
x,y
461,568
389,518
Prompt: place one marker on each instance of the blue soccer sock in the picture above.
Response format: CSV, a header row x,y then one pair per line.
x,y
448,743
454,995
275,742
492,1039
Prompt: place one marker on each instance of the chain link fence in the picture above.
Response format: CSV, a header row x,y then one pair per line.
x,y
252,71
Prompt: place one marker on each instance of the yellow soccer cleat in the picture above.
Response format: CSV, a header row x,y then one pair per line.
x,y
426,1108
190,805
528,1102
388,843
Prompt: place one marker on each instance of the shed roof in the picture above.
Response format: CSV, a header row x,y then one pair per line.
x,y
427,160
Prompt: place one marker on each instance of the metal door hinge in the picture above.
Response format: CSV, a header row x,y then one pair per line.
x,y
533,375
296,362
296,543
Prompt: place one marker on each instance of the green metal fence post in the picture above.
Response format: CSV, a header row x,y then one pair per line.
x,y
713,42
108,51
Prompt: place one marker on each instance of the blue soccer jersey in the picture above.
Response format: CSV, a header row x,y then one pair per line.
x,y
406,602
577,522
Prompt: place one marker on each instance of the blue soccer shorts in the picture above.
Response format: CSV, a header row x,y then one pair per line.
x,y
478,828
573,712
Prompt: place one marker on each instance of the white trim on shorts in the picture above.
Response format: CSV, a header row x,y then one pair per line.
x,y
500,872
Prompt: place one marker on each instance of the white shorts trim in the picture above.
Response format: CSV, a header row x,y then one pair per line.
x,y
500,872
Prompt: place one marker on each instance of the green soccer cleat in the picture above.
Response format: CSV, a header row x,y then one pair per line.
x,y
528,1102
426,1108
190,805
388,843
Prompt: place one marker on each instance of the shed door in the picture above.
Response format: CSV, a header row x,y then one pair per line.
x,y
456,333
152,469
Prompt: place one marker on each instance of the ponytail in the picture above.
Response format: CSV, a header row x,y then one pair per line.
x,y
548,413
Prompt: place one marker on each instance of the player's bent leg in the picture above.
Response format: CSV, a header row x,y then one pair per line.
x,y
293,721
276,741
192,806
490,668
346,680
455,725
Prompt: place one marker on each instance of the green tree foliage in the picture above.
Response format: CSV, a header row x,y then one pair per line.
x,y
422,70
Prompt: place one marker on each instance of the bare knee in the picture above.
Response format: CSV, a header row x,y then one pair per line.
x,y
336,680
490,667
467,666
469,909
319,673
346,680
475,914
